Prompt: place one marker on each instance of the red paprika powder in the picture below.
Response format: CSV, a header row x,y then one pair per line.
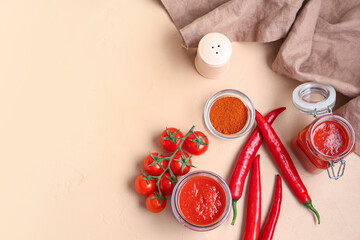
x,y
228,115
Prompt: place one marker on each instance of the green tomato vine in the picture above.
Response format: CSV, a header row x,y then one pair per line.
x,y
157,160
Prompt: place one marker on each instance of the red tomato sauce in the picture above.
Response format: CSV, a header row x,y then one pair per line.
x,y
330,138
201,200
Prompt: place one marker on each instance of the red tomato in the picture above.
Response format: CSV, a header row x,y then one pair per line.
x,y
170,139
154,169
197,144
180,166
166,185
144,185
155,203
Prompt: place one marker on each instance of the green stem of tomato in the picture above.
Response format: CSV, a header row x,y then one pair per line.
x,y
171,158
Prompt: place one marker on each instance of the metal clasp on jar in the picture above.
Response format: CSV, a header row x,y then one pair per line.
x,y
340,171
318,113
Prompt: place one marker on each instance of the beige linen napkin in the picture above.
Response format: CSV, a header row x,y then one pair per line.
x,y
322,37
239,20
324,46
351,112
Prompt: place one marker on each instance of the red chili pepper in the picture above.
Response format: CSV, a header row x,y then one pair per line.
x,y
253,208
284,162
245,160
268,230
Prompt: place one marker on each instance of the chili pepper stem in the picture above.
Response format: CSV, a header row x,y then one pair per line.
x,y
234,201
311,207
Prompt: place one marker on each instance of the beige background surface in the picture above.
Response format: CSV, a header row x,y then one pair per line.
x,y
86,87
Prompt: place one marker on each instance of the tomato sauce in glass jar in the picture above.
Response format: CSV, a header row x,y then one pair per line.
x,y
328,139
201,201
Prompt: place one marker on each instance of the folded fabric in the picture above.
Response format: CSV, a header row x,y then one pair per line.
x,y
239,20
324,46
351,112
322,38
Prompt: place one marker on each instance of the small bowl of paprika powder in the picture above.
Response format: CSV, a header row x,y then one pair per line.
x,y
229,114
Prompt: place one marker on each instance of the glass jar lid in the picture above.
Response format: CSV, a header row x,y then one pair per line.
x,y
314,98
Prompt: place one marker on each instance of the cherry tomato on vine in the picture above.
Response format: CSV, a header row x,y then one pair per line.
x,y
155,203
170,139
196,144
167,183
179,165
154,165
144,184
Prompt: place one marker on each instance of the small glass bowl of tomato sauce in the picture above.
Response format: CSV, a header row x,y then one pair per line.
x,y
229,114
201,201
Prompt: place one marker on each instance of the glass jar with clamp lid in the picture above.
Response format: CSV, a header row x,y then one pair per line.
x,y
329,138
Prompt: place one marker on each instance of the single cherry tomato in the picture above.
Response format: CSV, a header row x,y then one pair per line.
x,y
156,168
167,183
155,203
170,139
144,184
179,165
196,144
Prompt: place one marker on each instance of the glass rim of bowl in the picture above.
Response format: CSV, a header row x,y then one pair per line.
x,y
177,213
248,104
